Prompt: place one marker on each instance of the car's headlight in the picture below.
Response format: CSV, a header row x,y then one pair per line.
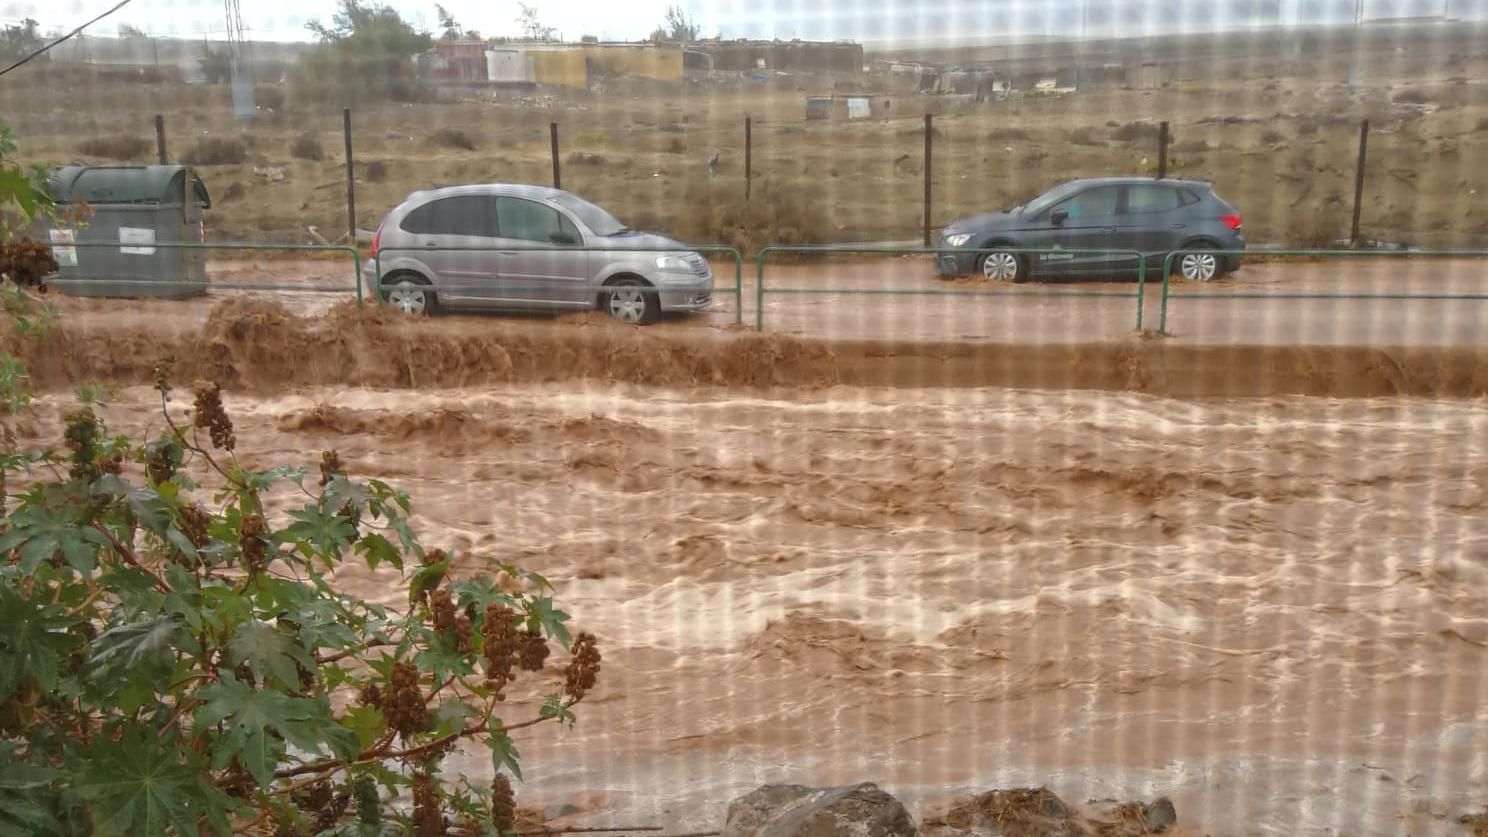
x,y
673,263
958,239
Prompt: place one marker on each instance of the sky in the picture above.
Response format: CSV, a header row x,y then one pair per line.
x,y
871,21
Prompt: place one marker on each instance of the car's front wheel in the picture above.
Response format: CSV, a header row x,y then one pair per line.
x,y
1199,264
409,294
631,301
1002,266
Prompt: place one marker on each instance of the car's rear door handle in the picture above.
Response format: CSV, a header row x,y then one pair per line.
x,y
1179,226
507,253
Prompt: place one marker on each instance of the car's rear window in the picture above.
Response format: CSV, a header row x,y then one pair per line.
x,y
458,215
1141,200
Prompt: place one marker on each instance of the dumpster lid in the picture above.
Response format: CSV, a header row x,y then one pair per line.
x,y
138,185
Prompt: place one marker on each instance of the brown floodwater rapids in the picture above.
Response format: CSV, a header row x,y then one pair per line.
x,y
1270,609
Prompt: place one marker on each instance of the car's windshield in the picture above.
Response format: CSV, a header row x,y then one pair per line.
x,y
1049,198
596,219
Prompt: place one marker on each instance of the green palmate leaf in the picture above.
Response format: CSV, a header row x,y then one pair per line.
x,y
269,652
143,785
554,707
260,481
259,724
541,613
34,640
149,509
504,752
325,531
137,643
39,533
406,537
378,549
341,492
451,716
441,658
366,722
427,578
479,591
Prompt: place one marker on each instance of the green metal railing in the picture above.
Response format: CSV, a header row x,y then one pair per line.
x,y
445,282
355,287
1167,294
1138,258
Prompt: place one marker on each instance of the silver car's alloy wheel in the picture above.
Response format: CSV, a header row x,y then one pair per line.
x,y
1000,267
408,297
1199,267
627,304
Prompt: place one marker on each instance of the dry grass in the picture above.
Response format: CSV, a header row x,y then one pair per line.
x,y
1191,146
307,146
676,146
452,138
270,97
123,148
584,158
1084,136
1482,125
1136,132
1272,137
216,151
375,172
1411,96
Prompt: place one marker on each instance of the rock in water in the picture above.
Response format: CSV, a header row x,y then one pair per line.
x,y
798,811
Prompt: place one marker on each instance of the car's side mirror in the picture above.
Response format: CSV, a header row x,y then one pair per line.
x,y
1058,217
562,238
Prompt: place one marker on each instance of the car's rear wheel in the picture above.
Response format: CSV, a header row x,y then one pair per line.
x,y
1199,264
631,301
409,294
1002,266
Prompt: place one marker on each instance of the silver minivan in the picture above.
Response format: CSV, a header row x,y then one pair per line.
x,y
509,246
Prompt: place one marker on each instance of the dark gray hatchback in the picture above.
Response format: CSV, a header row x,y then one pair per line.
x,y
1131,214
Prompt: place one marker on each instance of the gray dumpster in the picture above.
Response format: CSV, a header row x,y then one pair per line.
x,y
135,209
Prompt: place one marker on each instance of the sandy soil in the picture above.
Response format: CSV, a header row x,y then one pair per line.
x,y
1269,609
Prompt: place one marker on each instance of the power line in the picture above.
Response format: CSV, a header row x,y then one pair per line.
x,y
44,50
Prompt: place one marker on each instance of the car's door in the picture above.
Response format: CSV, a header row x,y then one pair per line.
x,y
1152,220
448,236
1084,221
542,261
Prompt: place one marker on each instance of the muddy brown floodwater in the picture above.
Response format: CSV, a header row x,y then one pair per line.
x,y
1270,609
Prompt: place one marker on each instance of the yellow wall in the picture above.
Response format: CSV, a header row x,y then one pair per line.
x,y
564,67
568,65
662,62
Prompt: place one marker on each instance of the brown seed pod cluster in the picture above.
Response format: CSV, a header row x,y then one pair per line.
x,y
194,524
503,645
428,818
370,695
81,435
403,706
503,804
211,416
324,804
251,540
27,262
583,667
446,620
331,466
162,375
534,651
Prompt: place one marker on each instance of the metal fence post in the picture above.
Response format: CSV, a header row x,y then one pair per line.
x,y
351,227
929,135
748,155
1359,181
160,137
557,173
1162,150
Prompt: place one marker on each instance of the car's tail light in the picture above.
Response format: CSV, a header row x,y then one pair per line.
x,y
376,240
1231,221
